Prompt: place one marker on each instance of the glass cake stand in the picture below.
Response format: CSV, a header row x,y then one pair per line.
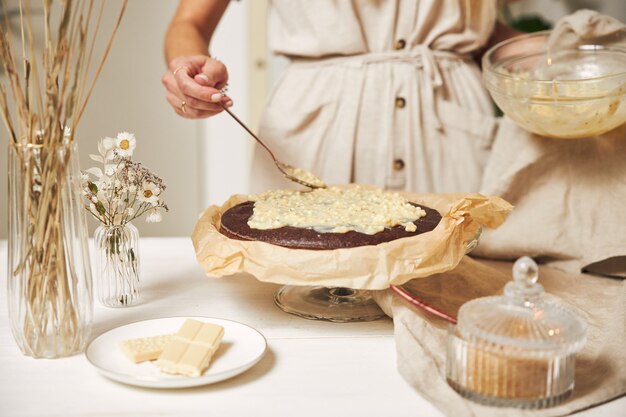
x,y
335,304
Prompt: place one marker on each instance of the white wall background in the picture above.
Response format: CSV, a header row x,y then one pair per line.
x,y
225,149
129,96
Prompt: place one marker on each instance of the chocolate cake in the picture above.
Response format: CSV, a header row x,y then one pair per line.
x,y
234,224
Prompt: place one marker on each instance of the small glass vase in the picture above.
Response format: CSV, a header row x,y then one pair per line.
x,y
49,287
117,264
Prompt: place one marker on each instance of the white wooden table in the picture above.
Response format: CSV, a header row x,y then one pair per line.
x,y
311,368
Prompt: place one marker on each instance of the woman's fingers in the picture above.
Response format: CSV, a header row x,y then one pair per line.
x,y
190,88
182,108
192,105
214,74
194,86
202,105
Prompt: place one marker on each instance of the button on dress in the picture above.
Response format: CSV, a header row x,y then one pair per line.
x,y
374,82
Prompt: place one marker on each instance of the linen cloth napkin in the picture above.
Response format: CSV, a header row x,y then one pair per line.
x,y
421,338
569,198
584,25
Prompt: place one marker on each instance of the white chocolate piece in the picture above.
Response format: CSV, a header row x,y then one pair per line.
x,y
171,355
189,329
209,334
195,360
145,348
191,349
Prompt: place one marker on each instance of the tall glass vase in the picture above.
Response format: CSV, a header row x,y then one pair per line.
x,y
49,287
117,264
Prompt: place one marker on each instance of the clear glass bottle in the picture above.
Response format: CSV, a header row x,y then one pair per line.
x,y
117,264
515,350
49,287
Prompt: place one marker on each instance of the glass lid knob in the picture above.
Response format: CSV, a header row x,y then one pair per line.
x,y
525,271
524,287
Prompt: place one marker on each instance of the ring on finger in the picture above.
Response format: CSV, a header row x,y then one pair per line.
x,y
183,105
178,69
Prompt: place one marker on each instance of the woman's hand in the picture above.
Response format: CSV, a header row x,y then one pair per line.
x,y
194,86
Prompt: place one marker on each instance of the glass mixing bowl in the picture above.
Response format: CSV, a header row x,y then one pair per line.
x,y
570,93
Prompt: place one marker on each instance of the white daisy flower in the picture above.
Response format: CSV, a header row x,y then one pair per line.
x,y
149,193
124,188
154,217
125,144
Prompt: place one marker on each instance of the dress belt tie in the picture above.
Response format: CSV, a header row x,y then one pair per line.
x,y
428,60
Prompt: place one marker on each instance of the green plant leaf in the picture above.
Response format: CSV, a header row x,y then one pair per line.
x,y
100,208
530,24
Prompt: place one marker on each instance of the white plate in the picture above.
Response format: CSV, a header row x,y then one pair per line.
x,y
241,348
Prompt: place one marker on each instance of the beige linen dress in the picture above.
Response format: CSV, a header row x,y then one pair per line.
x,y
380,92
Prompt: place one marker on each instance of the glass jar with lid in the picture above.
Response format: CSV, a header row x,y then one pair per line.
x,y
517,349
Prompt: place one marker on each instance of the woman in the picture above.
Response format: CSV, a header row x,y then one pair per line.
x,y
378,92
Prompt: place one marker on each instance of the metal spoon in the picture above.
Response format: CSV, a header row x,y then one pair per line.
x,y
294,174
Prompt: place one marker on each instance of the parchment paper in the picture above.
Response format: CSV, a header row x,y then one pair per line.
x,y
367,267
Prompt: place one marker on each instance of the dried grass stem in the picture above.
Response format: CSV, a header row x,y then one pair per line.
x,y
47,97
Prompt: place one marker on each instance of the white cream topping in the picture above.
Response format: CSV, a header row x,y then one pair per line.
x,y
334,210
307,177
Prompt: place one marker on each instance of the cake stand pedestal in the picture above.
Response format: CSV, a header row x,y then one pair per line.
x,y
336,304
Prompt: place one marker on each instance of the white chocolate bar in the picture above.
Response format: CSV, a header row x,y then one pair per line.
x,y
190,351
145,348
